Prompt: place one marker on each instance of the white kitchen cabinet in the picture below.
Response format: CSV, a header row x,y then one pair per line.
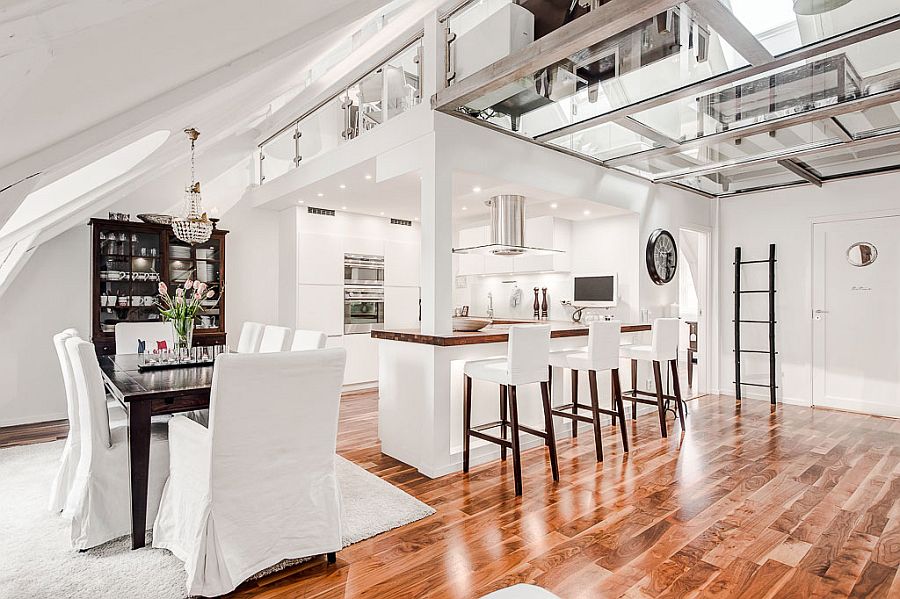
x,y
321,308
362,359
363,245
320,259
401,263
401,307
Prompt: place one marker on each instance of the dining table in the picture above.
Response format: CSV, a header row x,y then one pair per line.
x,y
145,394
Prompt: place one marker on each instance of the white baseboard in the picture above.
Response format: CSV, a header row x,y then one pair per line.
x,y
34,419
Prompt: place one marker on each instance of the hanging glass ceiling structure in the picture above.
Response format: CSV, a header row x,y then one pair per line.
x,y
718,96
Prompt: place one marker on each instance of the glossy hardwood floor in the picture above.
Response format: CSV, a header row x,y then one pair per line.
x,y
751,502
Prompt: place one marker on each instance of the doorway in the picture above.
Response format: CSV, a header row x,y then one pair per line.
x,y
856,315
693,302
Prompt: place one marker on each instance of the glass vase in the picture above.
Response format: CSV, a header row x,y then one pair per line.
x,y
184,336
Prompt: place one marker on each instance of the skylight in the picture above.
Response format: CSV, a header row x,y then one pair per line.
x,y
57,194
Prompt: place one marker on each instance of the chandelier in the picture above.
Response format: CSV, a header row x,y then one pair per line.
x,y
193,227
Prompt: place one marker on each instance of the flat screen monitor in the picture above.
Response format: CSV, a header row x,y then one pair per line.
x,y
600,291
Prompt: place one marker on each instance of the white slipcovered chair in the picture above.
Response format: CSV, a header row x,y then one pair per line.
x,y
663,348
304,340
601,354
274,339
259,485
99,501
526,363
251,335
68,462
129,333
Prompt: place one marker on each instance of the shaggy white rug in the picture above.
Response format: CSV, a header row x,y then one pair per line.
x,y
36,559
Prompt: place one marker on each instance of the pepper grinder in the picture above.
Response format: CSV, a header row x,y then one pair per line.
x,y
545,309
537,304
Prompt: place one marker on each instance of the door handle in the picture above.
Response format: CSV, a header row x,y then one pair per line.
x,y
820,311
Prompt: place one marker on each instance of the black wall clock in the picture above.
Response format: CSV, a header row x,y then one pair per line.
x,y
662,257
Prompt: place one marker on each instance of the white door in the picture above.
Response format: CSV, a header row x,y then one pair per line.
x,y
856,315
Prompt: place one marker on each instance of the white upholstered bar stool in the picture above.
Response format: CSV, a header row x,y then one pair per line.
x,y
601,354
304,340
274,339
663,348
251,335
525,364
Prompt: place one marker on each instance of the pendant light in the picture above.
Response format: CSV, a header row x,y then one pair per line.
x,y
193,227
817,7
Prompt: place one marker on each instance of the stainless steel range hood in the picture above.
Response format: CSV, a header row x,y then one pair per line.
x,y
507,231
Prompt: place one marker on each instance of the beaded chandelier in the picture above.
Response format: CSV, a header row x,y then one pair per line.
x,y
193,227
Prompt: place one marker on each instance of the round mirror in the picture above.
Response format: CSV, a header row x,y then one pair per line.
x,y
861,254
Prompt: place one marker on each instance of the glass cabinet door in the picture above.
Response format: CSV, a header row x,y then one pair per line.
x,y
129,273
203,263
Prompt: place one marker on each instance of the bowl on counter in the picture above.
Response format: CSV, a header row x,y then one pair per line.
x,y
465,324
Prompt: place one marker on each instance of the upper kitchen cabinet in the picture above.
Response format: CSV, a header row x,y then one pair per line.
x,y
320,259
364,246
540,232
401,264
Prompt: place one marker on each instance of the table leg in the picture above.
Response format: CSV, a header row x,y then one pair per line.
x,y
139,468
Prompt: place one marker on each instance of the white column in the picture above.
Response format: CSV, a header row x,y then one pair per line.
x,y
437,243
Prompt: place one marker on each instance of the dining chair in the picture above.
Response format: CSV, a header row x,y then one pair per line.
x,y
521,591
129,334
68,463
251,335
304,340
600,355
526,363
274,339
259,485
663,348
100,500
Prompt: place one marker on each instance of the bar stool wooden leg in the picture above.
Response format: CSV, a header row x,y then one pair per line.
x,y
619,406
548,427
595,412
503,420
467,418
657,380
676,388
517,454
634,387
574,402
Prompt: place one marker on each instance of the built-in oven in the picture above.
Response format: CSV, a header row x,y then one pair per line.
x,y
363,269
363,309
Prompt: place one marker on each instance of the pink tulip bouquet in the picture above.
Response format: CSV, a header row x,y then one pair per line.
x,y
182,309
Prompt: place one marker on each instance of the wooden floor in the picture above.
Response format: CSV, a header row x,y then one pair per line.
x,y
751,502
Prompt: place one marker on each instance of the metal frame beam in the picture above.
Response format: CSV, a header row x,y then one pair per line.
x,y
732,31
650,133
860,34
801,171
596,26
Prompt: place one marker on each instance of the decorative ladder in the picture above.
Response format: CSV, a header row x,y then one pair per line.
x,y
738,321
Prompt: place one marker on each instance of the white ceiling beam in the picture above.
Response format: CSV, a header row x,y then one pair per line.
x,y
12,196
801,171
13,263
732,31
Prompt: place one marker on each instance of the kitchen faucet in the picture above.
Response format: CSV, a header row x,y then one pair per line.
x,y
490,310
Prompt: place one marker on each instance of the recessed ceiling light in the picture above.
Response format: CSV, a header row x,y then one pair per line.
x,y
417,218
299,201
342,186
320,195
586,212
476,189
343,207
554,205
381,213
368,177
464,208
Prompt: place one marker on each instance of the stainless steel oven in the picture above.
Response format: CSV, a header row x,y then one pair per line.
x,y
363,309
363,269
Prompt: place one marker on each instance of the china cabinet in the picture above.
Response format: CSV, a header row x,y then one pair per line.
x,y
130,259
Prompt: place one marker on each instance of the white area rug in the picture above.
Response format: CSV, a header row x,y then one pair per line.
x,y
36,559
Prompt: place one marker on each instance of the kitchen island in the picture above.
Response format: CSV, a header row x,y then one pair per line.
x,y
420,391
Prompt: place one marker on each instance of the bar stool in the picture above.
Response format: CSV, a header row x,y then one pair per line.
x,y
526,363
601,354
663,348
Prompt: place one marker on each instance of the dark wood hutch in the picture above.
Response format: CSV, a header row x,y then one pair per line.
x,y
128,261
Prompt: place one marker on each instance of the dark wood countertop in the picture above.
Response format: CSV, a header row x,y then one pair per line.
x,y
492,334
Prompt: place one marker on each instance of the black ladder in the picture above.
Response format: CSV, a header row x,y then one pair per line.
x,y
738,292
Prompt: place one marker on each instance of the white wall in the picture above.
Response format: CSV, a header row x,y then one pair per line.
x,y
50,294
784,218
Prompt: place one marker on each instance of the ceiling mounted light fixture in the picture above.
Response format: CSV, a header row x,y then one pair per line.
x,y
194,227
817,7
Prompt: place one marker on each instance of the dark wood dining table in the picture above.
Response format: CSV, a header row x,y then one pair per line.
x,y
145,394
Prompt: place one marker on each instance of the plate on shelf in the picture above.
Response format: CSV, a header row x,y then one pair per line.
x,y
156,219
